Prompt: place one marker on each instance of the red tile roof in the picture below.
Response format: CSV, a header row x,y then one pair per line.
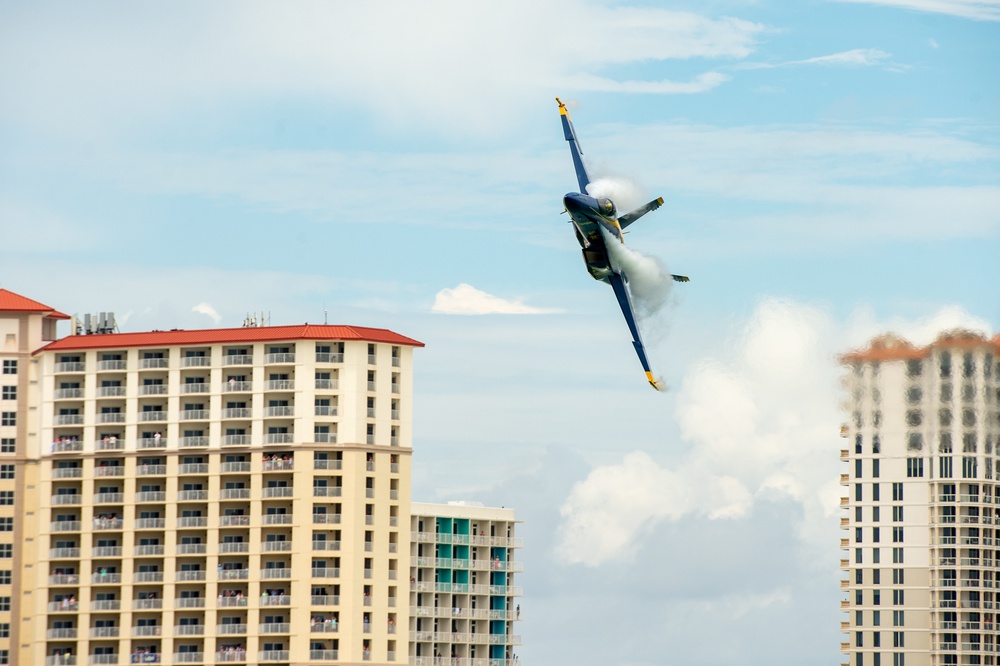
x,y
893,348
11,302
230,335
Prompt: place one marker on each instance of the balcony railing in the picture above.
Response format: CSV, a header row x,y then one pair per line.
x,y
191,495
110,391
189,630
106,578
275,359
277,518
326,383
276,600
63,633
327,491
109,498
153,389
232,602
326,518
147,604
147,577
236,387
64,553
192,521
70,366
234,574
149,550
236,440
278,491
189,657
67,447
194,387
326,357
279,438
327,545
189,602
234,547
196,414
153,362
325,410
65,526
64,606
106,605
231,656
231,629
327,572
193,468
273,655
325,437
69,419
328,464
234,493
281,410
196,361
192,549
104,632
151,496
110,417
64,579
323,655
272,574
276,546
274,628
67,473
238,466
152,442
106,551
237,359
151,416
151,470
234,521
279,465
66,499
61,660
150,523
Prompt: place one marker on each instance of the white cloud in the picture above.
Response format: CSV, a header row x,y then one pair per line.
x,y
852,57
207,309
428,63
761,426
979,10
467,300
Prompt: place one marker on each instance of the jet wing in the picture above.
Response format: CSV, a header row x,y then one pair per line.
x,y
621,292
574,148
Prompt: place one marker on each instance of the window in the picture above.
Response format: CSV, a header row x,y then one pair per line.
x,y
897,514
7,445
6,497
914,467
9,367
5,577
876,555
875,470
876,618
6,471
857,469
4,656
876,597
944,443
945,470
859,618
875,492
875,535
898,598
8,418
859,639
876,513
897,555
897,534
970,468
858,598
897,639
857,514
897,577
898,618
859,576
857,535
858,558
897,492
6,551
6,524
857,492
898,659
9,393
4,603
876,577
4,630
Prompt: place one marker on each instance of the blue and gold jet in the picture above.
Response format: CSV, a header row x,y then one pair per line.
x,y
589,215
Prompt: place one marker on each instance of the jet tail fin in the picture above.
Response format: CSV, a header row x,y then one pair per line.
x,y
630,217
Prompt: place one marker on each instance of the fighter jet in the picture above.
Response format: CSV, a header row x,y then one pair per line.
x,y
596,222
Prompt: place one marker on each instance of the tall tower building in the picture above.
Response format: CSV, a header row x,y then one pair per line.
x,y
922,503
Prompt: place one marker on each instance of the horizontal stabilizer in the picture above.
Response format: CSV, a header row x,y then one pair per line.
x,y
629,218
681,278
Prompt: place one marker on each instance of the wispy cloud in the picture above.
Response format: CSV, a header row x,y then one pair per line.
x,y
467,300
208,310
978,10
852,58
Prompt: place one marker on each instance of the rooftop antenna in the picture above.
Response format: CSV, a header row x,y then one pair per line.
x,y
324,315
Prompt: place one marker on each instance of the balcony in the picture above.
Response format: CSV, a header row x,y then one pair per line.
x,y
277,411
325,437
328,545
326,357
236,440
328,464
238,466
69,419
276,600
277,518
327,572
106,605
194,387
275,574
192,495
152,442
64,579
147,577
279,465
64,553
147,604
67,446
57,634
232,602
150,523
70,366
189,630
234,493
274,628
326,518
196,415
323,655
64,606
106,551
111,391
279,385
273,655
234,521
236,387
109,498
153,389
151,496
327,627
237,413
234,574
231,629
327,491
65,526
192,468
276,546
234,547
189,602
192,549
237,359
110,417
325,410
67,473
279,359
192,521
196,361
278,491
60,660
193,442
104,632
106,579
326,383
279,438
150,550
153,416
189,657
231,656
65,500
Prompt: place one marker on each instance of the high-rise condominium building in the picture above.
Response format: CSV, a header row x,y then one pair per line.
x,y
219,496
463,603
923,502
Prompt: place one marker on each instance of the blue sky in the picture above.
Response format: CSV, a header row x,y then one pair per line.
x,y
829,169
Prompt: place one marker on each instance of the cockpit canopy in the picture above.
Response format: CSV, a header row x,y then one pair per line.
x,y
606,207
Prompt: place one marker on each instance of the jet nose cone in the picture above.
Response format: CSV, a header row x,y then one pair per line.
x,y
573,203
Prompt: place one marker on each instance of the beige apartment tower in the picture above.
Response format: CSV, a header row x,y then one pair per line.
x,y
922,502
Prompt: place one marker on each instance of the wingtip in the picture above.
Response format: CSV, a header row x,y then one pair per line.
x,y
562,107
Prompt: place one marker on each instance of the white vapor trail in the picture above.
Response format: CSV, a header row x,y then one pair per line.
x,y
649,282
